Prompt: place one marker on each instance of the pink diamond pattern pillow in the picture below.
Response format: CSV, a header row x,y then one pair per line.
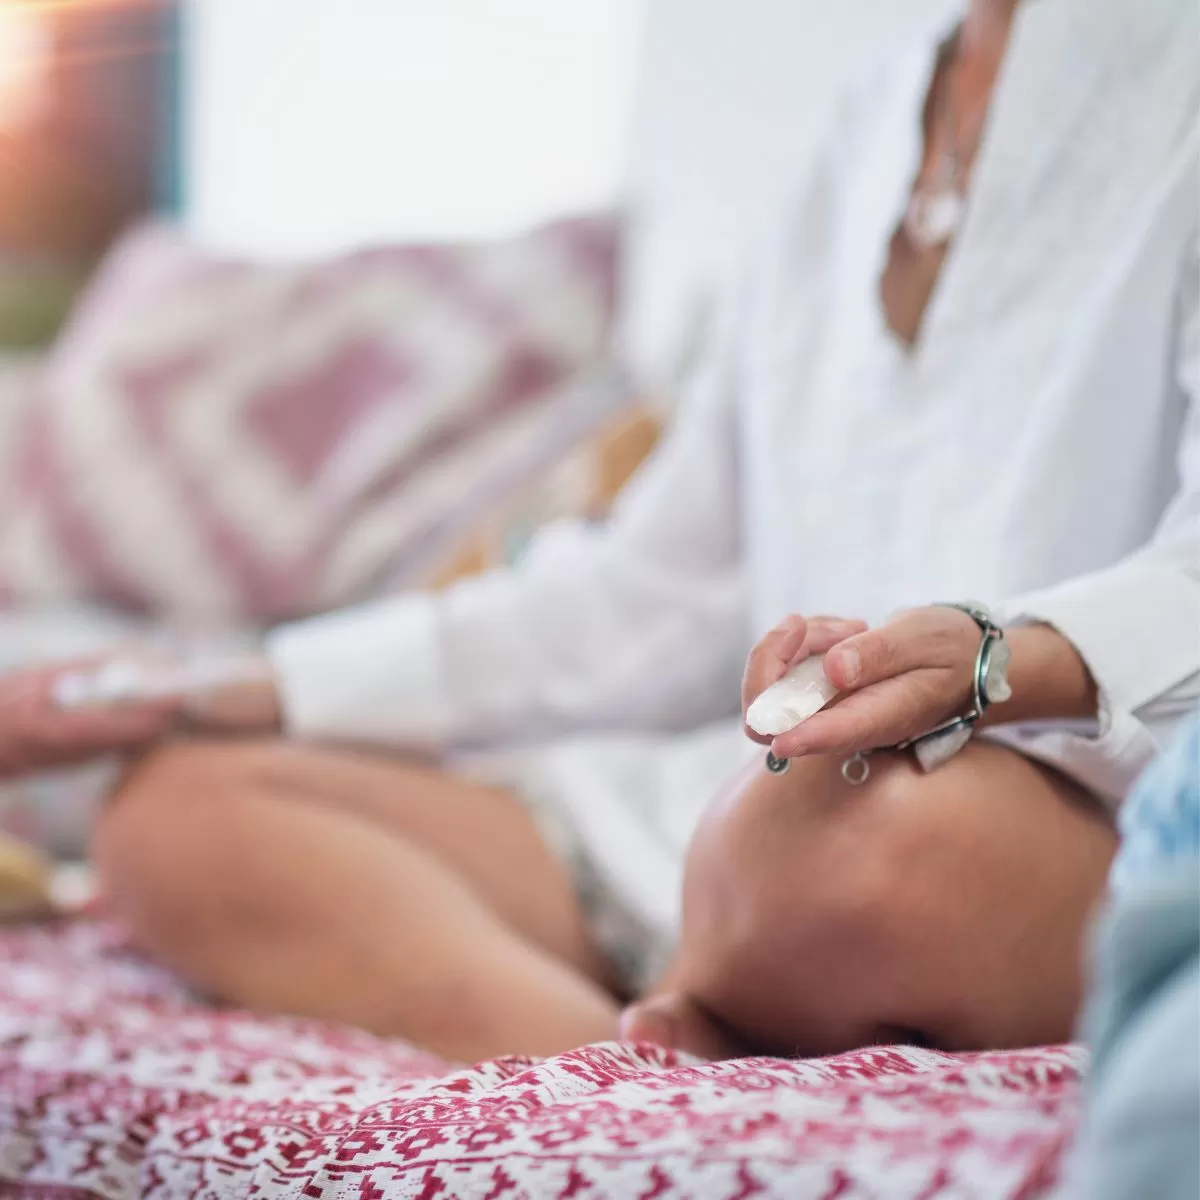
x,y
233,442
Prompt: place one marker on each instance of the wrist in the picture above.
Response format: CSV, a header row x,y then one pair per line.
x,y
984,659
984,662
248,704
1049,678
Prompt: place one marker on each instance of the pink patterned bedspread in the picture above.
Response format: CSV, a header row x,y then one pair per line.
x,y
115,1083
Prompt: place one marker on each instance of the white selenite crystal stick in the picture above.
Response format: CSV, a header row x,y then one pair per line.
x,y
803,691
141,680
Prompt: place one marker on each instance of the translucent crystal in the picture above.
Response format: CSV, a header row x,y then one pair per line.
x,y
144,680
803,691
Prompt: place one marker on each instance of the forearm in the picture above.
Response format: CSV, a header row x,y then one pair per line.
x,y
1049,679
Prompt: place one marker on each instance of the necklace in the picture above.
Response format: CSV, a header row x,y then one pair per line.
x,y
935,212
937,207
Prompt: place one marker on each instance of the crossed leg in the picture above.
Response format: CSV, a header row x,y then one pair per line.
x,y
817,916
947,909
357,889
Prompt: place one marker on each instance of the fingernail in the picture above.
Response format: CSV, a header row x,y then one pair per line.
x,y
851,665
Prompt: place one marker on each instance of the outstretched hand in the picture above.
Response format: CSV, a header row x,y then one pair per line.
x,y
36,733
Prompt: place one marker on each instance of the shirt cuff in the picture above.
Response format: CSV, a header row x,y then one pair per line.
x,y
1135,627
369,675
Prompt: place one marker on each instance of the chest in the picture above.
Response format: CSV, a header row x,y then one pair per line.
x,y
1030,433
1029,436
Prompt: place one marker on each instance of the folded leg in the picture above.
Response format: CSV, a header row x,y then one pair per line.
x,y
946,908
357,889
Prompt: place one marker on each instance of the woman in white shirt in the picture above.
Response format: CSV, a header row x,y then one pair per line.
x,y
969,369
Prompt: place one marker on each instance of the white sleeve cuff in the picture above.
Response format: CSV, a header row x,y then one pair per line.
x,y
1137,627
370,675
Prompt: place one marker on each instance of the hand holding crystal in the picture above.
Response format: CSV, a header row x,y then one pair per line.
x,y
875,687
71,712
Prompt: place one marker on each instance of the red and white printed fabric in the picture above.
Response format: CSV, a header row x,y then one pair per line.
x,y
114,1083
244,443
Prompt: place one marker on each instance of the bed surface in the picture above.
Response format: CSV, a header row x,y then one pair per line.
x,y
115,1083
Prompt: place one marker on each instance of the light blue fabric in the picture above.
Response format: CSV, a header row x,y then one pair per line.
x,y
1141,1135
1160,820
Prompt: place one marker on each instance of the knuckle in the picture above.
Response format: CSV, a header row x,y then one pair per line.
x,y
878,653
827,623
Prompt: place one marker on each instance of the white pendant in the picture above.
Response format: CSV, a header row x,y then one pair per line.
x,y
803,691
934,216
932,752
996,686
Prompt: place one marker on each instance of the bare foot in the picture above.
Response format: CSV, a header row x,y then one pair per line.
x,y
677,1022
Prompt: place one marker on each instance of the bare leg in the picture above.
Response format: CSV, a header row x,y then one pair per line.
x,y
947,907
356,889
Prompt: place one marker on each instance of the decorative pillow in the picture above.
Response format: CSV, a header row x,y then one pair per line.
x,y
241,443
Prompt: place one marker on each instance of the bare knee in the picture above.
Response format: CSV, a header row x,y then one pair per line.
x,y
165,841
997,868
171,781
784,892
818,917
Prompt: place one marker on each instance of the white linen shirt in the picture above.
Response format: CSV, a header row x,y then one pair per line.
x,y
1037,450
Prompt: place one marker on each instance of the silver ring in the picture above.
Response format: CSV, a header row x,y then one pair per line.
x,y
777,766
856,770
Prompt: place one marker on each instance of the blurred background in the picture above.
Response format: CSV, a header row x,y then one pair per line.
x,y
300,127
85,92
304,301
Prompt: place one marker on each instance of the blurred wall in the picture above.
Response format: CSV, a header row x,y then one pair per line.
x,y
315,125
734,96
347,121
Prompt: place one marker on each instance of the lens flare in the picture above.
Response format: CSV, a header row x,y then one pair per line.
x,y
25,51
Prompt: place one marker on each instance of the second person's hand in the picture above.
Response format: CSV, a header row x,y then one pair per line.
x,y
38,731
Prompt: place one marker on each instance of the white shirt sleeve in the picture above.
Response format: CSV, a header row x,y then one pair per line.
x,y
638,624
1137,624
